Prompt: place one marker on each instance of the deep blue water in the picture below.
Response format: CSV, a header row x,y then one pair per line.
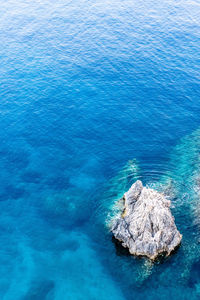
x,y
87,86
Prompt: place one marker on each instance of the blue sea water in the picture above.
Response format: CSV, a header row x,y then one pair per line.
x,y
95,94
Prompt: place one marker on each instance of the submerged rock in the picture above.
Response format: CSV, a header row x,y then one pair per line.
x,y
146,226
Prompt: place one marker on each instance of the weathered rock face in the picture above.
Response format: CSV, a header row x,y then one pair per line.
x,y
146,226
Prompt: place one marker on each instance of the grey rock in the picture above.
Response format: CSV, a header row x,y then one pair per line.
x,y
146,226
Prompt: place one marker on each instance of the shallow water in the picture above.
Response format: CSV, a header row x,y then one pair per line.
x,y
95,94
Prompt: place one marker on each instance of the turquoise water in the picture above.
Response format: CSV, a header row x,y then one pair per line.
x,y
94,95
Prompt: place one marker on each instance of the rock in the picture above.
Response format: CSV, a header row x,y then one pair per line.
x,y
146,226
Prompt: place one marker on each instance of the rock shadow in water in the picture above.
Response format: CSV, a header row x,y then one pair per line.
x,y
120,250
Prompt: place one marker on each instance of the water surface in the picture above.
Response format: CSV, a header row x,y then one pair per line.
x,y
87,86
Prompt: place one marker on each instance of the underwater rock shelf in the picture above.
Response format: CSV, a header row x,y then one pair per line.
x,y
146,226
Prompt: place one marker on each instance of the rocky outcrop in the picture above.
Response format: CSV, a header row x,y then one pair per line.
x,y
146,226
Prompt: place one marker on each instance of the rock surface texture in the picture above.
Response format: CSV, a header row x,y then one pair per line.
x,y
146,226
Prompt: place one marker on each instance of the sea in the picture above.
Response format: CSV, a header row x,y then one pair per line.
x,y
95,94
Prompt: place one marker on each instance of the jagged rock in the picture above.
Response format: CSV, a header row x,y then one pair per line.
x,y
146,226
